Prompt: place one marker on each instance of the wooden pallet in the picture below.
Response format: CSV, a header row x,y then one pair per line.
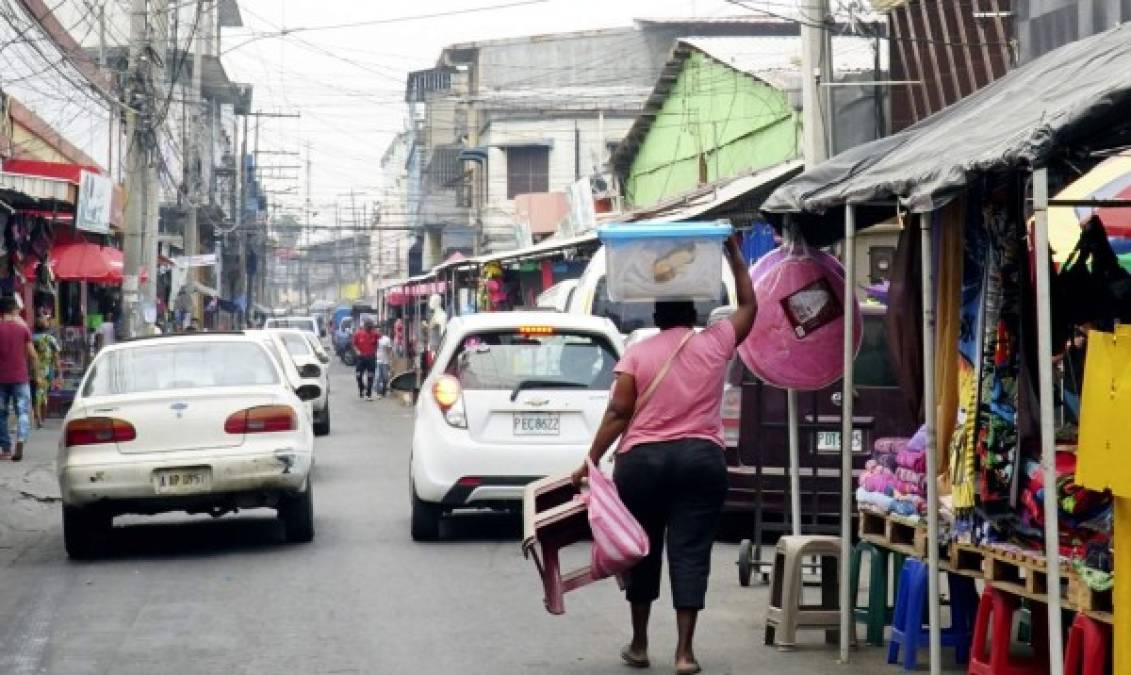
x,y
1084,598
1020,572
893,533
965,559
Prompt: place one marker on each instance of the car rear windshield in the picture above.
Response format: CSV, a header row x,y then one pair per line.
x,y
296,345
297,324
630,316
505,359
195,365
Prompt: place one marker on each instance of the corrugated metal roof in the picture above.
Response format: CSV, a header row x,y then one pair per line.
x,y
756,56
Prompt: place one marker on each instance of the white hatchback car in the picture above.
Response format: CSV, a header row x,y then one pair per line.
x,y
513,397
198,422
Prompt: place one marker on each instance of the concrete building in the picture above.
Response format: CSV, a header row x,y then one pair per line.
x,y
502,127
1043,25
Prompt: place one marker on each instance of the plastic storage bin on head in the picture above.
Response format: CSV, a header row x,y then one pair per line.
x,y
798,337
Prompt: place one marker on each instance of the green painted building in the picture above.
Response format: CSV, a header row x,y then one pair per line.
x,y
723,108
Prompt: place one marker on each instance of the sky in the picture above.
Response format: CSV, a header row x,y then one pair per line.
x,y
347,84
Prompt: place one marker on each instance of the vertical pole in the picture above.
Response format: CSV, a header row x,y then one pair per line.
x,y
846,428
929,405
813,40
137,181
1048,441
192,152
794,462
576,151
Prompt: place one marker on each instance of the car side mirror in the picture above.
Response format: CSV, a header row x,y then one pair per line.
x,y
308,392
405,382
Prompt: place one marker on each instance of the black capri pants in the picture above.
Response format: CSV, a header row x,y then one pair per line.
x,y
677,487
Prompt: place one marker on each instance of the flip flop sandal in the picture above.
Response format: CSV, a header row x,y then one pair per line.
x,y
690,669
632,660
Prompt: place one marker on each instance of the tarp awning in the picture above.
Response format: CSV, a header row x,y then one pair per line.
x,y
1068,96
711,198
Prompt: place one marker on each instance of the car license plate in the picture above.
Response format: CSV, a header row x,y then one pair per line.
x,y
829,441
537,424
182,481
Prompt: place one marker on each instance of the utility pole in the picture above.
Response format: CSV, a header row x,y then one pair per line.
x,y
816,71
192,150
139,99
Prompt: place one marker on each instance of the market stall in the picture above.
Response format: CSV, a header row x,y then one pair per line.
x,y
982,168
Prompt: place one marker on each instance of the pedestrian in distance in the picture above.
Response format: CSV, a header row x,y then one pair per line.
x,y
365,344
670,468
17,353
383,358
48,373
106,334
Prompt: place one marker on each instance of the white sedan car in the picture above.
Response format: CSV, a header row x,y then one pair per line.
x,y
198,422
311,368
513,397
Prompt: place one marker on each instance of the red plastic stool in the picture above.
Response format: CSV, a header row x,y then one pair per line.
x,y
1087,647
999,608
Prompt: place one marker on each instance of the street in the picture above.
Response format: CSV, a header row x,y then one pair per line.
x,y
184,594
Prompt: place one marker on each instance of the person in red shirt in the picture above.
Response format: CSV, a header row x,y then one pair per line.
x,y
16,353
365,344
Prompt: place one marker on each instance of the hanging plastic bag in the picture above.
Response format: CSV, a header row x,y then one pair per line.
x,y
797,341
619,541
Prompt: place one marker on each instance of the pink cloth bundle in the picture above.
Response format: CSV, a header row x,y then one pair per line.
x,y
798,337
909,475
908,488
889,446
876,478
909,459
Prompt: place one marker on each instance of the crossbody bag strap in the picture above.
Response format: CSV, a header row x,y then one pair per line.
x,y
661,374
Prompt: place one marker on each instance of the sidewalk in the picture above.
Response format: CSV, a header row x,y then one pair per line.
x,y
29,493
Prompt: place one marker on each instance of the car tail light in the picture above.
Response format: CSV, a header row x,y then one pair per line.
x,y
536,330
262,419
448,393
731,413
98,430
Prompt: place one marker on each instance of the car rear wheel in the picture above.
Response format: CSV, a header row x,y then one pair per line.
x,y
86,532
297,514
322,427
425,519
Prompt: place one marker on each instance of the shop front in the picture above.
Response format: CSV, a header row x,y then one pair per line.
x,y
1013,487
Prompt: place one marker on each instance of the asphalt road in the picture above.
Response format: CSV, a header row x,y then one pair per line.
x,y
185,594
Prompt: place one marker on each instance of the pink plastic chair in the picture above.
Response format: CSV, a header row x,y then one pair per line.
x,y
552,518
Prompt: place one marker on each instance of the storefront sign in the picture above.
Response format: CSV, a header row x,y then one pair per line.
x,y
203,260
93,211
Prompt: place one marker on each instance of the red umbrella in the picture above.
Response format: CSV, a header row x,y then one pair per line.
x,y
84,261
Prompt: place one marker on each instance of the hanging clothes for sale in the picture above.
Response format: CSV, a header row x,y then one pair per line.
x,y
1103,441
997,412
904,317
975,245
948,279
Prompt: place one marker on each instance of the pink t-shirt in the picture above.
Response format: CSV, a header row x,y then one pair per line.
x,y
688,403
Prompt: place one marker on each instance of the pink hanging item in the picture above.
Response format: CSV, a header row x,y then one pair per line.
x,y
619,542
798,337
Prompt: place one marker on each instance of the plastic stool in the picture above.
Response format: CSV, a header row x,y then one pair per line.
x,y
875,614
785,614
907,629
1087,647
999,608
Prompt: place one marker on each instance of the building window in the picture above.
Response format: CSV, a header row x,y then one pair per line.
x,y
528,170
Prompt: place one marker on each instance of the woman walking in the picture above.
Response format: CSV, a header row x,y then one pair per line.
x,y
48,371
670,468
